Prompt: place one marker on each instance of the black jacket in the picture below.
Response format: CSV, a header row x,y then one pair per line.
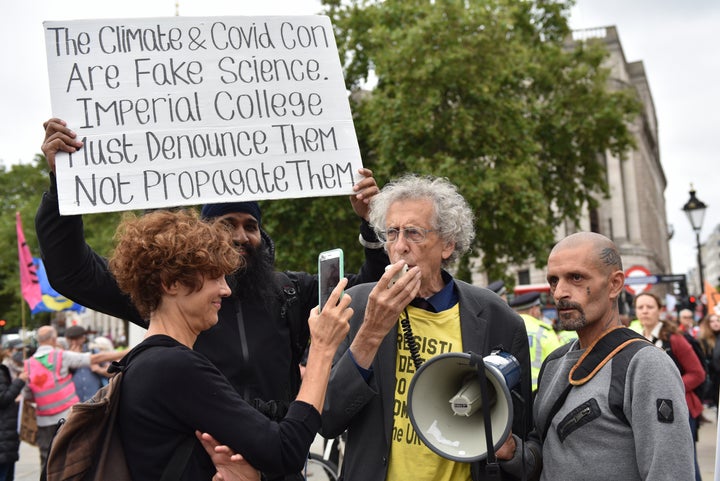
x,y
9,440
165,397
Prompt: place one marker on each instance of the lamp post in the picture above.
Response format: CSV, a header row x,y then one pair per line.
x,y
695,211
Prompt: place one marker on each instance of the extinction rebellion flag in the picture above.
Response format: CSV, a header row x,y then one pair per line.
x,y
34,284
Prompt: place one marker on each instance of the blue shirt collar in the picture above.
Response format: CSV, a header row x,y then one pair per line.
x,y
446,297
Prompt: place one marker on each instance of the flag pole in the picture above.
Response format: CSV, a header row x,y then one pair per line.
x,y
22,324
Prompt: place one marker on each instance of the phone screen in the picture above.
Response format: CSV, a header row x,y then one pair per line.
x,y
330,270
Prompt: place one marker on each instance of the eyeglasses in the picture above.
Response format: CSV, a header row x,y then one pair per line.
x,y
412,234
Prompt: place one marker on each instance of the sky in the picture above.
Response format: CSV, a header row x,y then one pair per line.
x,y
675,39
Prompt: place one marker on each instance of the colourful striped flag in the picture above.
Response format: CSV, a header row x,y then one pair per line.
x,y
52,300
29,284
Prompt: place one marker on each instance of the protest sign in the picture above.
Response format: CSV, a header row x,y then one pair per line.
x,y
192,110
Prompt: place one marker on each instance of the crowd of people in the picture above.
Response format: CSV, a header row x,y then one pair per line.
x,y
220,365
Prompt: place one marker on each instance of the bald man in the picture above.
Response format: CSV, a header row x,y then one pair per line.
x,y
609,405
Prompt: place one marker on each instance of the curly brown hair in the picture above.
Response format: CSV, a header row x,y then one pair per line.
x,y
164,247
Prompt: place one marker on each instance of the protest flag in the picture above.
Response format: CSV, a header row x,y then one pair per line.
x,y
29,283
712,298
52,300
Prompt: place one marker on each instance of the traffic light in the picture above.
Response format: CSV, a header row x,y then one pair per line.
x,y
2,326
692,300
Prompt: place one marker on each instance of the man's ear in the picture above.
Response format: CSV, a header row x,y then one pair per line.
x,y
617,283
448,249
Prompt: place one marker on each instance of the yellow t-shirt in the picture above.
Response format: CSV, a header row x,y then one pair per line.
x,y
410,459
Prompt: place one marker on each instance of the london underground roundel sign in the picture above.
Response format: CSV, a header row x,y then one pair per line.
x,y
638,279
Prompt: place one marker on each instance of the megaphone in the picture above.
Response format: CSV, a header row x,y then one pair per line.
x,y
445,404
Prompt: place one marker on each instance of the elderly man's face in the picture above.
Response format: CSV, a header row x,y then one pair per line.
x,y
429,253
686,319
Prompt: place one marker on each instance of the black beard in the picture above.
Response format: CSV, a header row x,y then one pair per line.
x,y
256,279
568,324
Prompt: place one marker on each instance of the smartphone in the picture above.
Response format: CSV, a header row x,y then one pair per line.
x,y
330,271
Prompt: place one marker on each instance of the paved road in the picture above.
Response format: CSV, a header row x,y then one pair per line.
x,y
28,467
706,446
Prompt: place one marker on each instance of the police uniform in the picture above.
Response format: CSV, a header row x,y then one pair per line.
x,y
541,335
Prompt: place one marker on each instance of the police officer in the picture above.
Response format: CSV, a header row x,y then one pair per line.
x,y
498,287
541,335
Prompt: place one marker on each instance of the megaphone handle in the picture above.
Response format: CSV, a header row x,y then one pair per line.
x,y
492,469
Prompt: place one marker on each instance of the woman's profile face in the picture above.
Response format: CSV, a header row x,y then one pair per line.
x,y
647,311
200,308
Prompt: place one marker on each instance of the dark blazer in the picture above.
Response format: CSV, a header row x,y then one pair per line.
x,y
365,408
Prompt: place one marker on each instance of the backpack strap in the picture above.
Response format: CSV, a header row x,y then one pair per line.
x,y
176,466
616,394
556,354
612,342
601,351
299,330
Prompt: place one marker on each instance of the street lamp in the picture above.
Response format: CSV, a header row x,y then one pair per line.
x,y
695,210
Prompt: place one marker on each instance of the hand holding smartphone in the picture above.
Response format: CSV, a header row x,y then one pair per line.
x,y
330,271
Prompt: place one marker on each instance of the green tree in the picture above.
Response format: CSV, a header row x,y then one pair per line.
x,y
302,228
22,187
489,94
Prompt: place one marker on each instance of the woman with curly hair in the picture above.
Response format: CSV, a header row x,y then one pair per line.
x,y
173,267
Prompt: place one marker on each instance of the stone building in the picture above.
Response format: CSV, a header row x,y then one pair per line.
x,y
710,259
634,215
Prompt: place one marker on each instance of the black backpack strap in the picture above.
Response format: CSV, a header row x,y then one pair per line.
x,y
554,410
173,471
297,321
616,394
668,350
601,351
615,341
556,354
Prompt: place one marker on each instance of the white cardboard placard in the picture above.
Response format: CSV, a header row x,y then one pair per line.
x,y
192,110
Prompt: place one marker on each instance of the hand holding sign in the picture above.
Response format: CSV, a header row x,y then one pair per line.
x,y
184,111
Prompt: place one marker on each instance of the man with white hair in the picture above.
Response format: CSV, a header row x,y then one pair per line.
x,y
425,224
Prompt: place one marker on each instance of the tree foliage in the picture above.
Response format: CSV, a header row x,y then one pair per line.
x,y
302,228
485,92
489,94
22,187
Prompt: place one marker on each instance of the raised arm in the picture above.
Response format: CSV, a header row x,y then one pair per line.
x,y
73,268
375,256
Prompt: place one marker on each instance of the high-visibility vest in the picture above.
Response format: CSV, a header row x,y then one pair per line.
x,y
542,341
53,393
